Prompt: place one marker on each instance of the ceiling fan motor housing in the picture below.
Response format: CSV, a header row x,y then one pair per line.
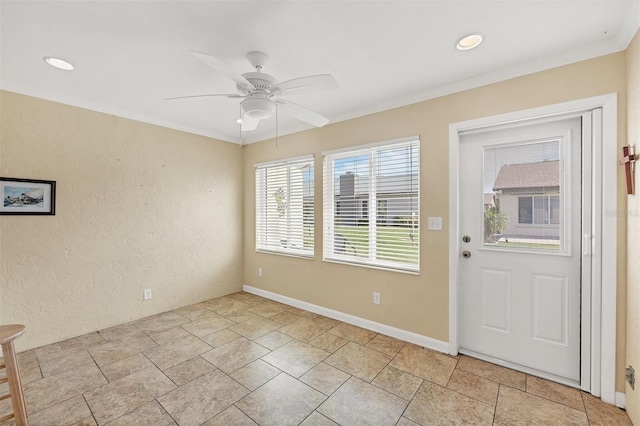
x,y
261,81
257,105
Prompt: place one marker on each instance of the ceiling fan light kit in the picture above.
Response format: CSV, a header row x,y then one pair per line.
x,y
259,108
261,92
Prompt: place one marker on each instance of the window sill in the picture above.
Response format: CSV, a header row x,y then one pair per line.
x,y
287,254
370,266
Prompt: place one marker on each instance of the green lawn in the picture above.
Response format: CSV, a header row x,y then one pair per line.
x,y
388,239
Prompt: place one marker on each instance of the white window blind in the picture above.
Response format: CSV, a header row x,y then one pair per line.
x,y
284,206
371,205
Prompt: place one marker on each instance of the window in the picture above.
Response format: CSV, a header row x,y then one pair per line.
x,y
284,206
371,205
539,210
525,210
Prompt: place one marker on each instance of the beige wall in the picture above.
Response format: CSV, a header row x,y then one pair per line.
x,y
419,304
633,240
138,206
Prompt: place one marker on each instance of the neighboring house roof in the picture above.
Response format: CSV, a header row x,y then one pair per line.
x,y
488,199
528,175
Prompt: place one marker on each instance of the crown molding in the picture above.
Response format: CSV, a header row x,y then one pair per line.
x,y
544,64
621,42
10,86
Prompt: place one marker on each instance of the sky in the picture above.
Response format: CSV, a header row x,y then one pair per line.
x,y
15,191
495,158
393,161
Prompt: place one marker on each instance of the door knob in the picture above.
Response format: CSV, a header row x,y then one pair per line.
x,y
466,254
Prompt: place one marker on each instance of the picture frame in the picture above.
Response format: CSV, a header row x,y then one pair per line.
x,y
27,196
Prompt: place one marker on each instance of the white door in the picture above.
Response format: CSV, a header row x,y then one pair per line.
x,y
520,229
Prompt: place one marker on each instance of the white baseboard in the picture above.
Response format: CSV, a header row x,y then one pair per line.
x,y
407,336
620,400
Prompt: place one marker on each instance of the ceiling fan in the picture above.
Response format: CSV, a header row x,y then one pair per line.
x,y
260,92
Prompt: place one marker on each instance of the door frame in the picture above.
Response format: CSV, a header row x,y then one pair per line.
x,y
602,333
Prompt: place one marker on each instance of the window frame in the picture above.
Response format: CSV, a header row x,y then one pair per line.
x,y
262,244
330,203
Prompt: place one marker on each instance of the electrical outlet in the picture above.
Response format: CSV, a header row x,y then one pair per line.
x,y
259,272
147,294
376,298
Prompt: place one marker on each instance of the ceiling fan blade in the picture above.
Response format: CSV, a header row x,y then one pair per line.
x,y
304,85
302,113
218,65
233,95
249,123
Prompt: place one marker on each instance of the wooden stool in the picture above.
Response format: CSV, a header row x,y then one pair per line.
x,y
8,333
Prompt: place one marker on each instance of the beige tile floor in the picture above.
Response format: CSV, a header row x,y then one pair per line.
x,y
245,360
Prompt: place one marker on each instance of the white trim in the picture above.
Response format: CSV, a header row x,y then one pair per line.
x,y
603,332
609,248
596,267
454,232
629,26
605,47
586,231
407,336
542,119
621,400
368,146
625,34
110,110
284,161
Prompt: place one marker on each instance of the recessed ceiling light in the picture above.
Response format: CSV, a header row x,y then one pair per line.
x,y
469,42
58,63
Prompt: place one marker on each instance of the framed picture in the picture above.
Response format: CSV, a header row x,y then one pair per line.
x,y
27,196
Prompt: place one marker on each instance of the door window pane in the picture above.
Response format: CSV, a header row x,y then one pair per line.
x,y
522,196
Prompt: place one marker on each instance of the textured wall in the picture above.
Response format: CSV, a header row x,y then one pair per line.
x,y
419,303
633,240
138,206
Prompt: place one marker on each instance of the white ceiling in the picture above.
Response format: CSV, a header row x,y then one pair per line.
x,y
129,56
